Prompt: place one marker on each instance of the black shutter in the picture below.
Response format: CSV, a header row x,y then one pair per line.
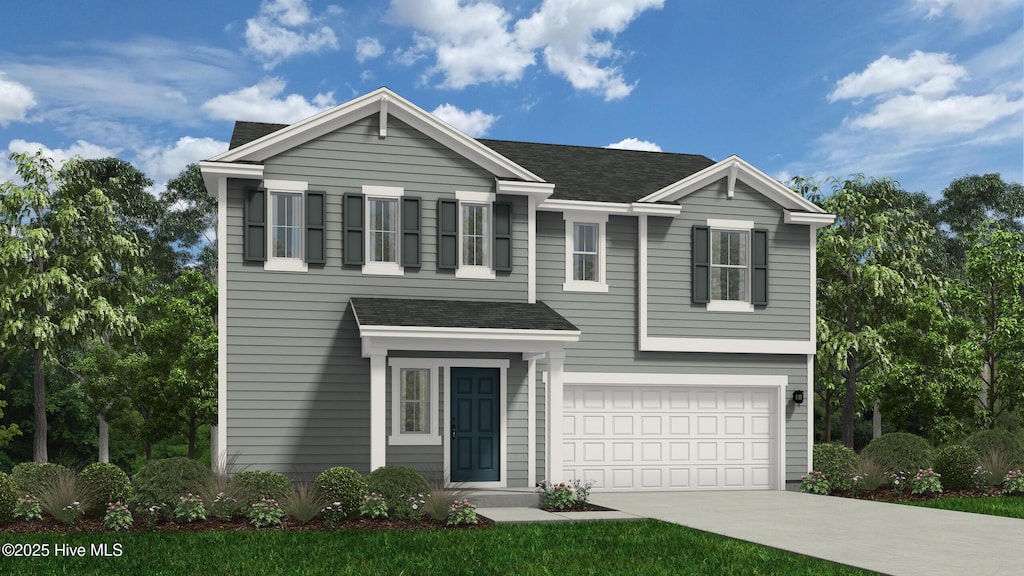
x,y
700,245
315,228
760,262
254,227
411,232
352,230
447,234
502,237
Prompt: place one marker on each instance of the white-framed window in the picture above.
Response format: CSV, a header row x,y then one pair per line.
x,y
585,252
285,211
730,265
475,223
382,230
414,403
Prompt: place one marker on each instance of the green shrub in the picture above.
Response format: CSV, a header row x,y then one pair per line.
x,y
65,498
869,475
900,453
398,485
1009,446
254,485
107,483
30,477
345,486
8,497
959,466
162,482
836,462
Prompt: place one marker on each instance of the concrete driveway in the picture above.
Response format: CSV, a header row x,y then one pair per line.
x,y
887,538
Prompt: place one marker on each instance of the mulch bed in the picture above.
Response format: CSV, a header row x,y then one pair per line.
x,y
588,507
888,495
49,525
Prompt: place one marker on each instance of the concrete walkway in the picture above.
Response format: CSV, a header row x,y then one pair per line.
x,y
888,538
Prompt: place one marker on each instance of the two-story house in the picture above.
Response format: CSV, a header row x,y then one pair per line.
x,y
395,292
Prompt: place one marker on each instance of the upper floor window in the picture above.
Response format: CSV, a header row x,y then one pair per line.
x,y
475,234
585,247
729,257
383,230
730,265
286,225
385,226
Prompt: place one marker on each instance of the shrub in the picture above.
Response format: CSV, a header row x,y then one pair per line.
x,y
256,485
28,507
900,452
959,465
439,502
398,485
117,517
1011,446
869,475
305,502
265,512
343,486
814,482
65,498
836,462
189,508
926,482
222,497
1013,485
995,464
29,477
563,496
462,512
162,482
107,483
374,506
8,497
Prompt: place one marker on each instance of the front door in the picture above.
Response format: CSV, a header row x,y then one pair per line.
x,y
476,425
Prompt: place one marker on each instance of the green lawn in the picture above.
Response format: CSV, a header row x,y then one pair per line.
x,y
1009,506
642,547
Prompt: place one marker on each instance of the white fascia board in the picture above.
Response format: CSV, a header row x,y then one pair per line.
x,y
673,379
816,220
380,339
584,206
656,209
363,106
212,170
726,345
540,190
468,333
734,165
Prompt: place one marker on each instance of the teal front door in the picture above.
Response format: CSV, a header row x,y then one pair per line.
x,y
476,425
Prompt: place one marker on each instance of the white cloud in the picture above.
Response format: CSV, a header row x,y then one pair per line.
x,y
15,100
970,12
80,148
261,102
955,115
368,48
568,31
475,123
926,73
161,163
635,144
480,42
283,29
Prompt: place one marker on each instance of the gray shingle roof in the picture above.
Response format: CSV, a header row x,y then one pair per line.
x,y
578,172
458,314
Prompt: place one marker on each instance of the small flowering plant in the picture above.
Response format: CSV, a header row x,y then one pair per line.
x,y
900,482
1013,485
333,514
118,517
414,506
564,496
814,482
150,513
926,483
28,507
266,512
190,508
462,512
223,507
374,506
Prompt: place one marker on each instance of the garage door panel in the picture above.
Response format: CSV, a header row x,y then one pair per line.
x,y
636,438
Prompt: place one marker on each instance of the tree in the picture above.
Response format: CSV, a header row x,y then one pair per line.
x,y
868,264
8,432
185,235
66,266
970,201
994,299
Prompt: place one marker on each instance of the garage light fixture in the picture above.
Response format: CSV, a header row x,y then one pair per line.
x,y
798,397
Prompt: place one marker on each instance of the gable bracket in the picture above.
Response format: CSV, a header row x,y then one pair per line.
x,y
731,188
383,116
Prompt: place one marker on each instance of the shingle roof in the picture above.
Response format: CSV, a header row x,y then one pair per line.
x,y
458,314
578,172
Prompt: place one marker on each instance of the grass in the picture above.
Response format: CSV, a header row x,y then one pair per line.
x,y
1008,506
641,547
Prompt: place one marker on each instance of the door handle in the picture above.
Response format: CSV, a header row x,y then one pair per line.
x,y
453,426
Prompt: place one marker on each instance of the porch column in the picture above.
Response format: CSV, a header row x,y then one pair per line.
x,y
556,363
531,422
378,382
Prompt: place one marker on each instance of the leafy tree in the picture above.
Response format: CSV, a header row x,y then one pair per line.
x,y
970,201
66,266
8,432
868,264
185,235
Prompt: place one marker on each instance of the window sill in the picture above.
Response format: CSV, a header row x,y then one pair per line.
x,y
479,272
414,440
285,265
578,286
383,269
730,306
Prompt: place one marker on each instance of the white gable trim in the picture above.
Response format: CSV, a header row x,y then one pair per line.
x,y
212,172
733,168
344,114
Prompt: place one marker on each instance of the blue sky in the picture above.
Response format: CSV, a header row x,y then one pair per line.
x,y
923,91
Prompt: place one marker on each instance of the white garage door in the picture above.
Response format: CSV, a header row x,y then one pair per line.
x,y
671,437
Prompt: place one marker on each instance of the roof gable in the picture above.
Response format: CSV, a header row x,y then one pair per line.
x,y
272,139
